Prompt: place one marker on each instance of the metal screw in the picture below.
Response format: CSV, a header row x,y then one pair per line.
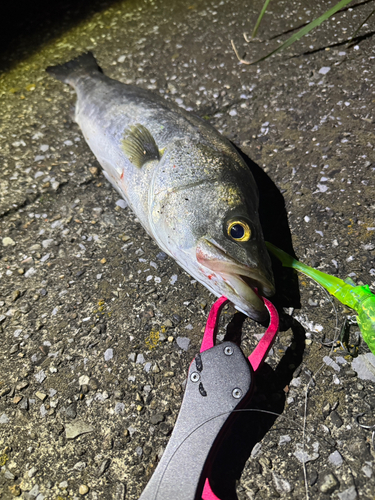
x,y
237,393
228,350
194,377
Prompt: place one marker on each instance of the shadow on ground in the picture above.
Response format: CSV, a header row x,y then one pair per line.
x,y
28,25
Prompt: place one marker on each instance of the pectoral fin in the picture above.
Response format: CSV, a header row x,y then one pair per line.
x,y
139,145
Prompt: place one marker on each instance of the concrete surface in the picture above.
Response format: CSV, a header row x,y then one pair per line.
x,y
98,328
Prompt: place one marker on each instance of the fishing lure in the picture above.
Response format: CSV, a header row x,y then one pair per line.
x,y
359,298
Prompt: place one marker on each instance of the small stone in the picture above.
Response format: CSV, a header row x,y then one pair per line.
x,y
24,404
94,384
170,338
17,399
15,490
83,489
103,467
103,261
140,359
155,368
9,475
282,486
120,491
161,256
108,355
14,349
349,494
7,242
94,171
183,343
176,318
40,395
15,295
47,243
312,477
329,483
156,418
83,380
77,428
71,411
31,473
168,374
165,428
336,419
168,323
335,459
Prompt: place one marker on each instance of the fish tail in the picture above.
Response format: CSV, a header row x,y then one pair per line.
x,y
84,64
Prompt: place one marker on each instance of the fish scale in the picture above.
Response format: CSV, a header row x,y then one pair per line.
x,y
185,182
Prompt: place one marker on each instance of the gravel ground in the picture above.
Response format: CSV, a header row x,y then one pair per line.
x,y
98,326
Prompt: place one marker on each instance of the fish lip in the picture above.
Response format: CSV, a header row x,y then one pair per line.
x,y
230,267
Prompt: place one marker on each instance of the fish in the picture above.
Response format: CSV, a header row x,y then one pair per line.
x,y
188,186
359,298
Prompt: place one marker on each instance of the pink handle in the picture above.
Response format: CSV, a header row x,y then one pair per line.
x,y
209,337
207,493
259,354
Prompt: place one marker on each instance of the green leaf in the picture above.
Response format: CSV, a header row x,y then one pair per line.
x,y
299,34
255,30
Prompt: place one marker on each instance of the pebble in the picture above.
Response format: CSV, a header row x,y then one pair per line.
x,y
156,418
140,359
15,490
83,489
4,419
329,483
120,491
103,467
336,419
77,428
40,376
282,486
9,475
108,355
335,459
7,242
183,343
40,395
364,365
349,494
94,384
31,473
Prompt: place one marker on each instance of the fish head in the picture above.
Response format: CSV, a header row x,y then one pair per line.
x,y
208,221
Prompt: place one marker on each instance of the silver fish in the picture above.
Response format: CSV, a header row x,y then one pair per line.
x,y
188,186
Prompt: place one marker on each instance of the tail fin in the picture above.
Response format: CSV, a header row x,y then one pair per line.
x,y
286,260
82,65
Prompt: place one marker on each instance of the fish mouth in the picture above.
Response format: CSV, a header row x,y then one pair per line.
x,y
242,284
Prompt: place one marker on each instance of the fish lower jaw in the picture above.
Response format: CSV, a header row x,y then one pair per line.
x,y
242,292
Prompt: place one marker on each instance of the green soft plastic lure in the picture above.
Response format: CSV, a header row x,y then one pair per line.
x,y
359,298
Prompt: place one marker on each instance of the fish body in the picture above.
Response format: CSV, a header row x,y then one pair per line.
x,y
359,298
190,189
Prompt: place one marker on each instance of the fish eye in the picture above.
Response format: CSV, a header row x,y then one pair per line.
x,y
239,230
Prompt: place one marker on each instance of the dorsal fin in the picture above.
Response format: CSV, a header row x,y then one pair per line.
x,y
139,145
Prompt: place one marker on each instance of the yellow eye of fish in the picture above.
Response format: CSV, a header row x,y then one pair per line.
x,y
239,230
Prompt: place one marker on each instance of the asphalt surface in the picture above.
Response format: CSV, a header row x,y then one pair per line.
x,y
98,327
